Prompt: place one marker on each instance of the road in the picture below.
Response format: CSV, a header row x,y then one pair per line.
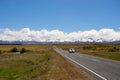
x,y
99,68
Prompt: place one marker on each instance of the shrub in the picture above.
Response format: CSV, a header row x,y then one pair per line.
x,y
23,50
114,49
88,48
14,50
0,52
4,51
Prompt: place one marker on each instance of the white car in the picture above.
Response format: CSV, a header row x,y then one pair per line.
x,y
71,50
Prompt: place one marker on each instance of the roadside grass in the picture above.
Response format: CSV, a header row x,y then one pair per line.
x,y
41,62
30,66
64,70
109,51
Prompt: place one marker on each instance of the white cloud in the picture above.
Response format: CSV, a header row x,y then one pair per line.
x,y
26,34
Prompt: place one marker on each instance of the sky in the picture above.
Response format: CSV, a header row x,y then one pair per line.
x,y
65,16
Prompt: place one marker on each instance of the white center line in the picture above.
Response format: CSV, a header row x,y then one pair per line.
x,y
87,69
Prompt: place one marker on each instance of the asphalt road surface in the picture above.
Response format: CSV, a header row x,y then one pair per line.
x,y
98,68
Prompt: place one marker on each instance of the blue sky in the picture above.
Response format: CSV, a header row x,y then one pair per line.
x,y
65,15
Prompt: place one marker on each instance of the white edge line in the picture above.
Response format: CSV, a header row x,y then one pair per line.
x,y
86,68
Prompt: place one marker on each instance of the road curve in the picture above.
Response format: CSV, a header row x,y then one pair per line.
x,y
99,68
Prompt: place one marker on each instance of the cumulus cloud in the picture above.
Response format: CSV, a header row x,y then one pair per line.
x,y
44,35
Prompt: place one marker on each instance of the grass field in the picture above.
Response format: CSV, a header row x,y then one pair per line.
x,y
109,51
40,62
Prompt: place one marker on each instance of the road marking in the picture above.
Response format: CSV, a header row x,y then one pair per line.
x,y
87,68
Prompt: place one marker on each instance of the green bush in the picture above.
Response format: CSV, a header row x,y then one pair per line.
x,y
23,50
114,49
89,48
14,50
4,51
0,52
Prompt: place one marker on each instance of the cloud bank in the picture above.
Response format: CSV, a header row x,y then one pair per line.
x,y
44,35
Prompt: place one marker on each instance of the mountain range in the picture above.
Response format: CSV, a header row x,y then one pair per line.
x,y
36,42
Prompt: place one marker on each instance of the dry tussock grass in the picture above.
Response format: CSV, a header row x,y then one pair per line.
x,y
40,63
64,70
